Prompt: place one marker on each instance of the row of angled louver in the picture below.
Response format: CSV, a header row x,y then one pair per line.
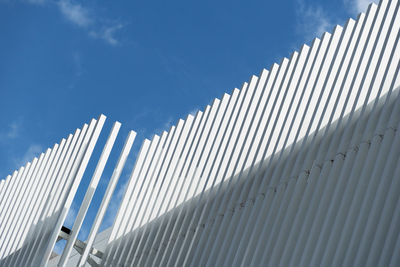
x,y
293,169
300,167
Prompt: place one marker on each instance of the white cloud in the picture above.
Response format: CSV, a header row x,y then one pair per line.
x,y
33,151
312,20
77,59
358,6
165,127
12,132
113,206
36,2
75,13
107,34
83,17
168,124
194,111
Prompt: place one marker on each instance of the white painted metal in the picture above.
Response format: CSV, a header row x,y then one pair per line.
x,y
183,157
138,176
41,236
226,99
107,196
40,208
36,198
89,193
298,168
72,187
132,185
32,198
267,185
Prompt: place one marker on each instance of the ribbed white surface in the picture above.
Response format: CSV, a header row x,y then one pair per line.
x,y
299,167
36,198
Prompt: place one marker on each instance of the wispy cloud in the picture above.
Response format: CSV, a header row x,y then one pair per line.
x,y
166,126
358,6
85,18
13,131
114,206
194,111
37,2
33,151
312,21
77,60
75,13
10,136
107,34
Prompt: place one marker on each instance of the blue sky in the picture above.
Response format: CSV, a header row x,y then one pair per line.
x,y
143,63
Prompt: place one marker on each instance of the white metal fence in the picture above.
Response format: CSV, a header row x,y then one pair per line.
x,y
300,167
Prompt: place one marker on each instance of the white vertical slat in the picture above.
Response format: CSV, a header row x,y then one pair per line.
x,y
140,191
289,94
3,186
44,213
391,233
192,168
9,198
47,212
212,179
211,114
40,212
265,102
290,213
355,205
243,194
193,150
294,169
305,228
269,131
226,100
350,167
9,184
317,102
151,183
202,185
139,175
332,107
27,232
67,201
382,209
50,165
200,144
123,210
26,213
89,194
17,206
273,85
44,158
9,214
156,194
107,196
246,126
168,185
153,241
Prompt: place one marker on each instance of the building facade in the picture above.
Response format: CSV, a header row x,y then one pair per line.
x,y
299,167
